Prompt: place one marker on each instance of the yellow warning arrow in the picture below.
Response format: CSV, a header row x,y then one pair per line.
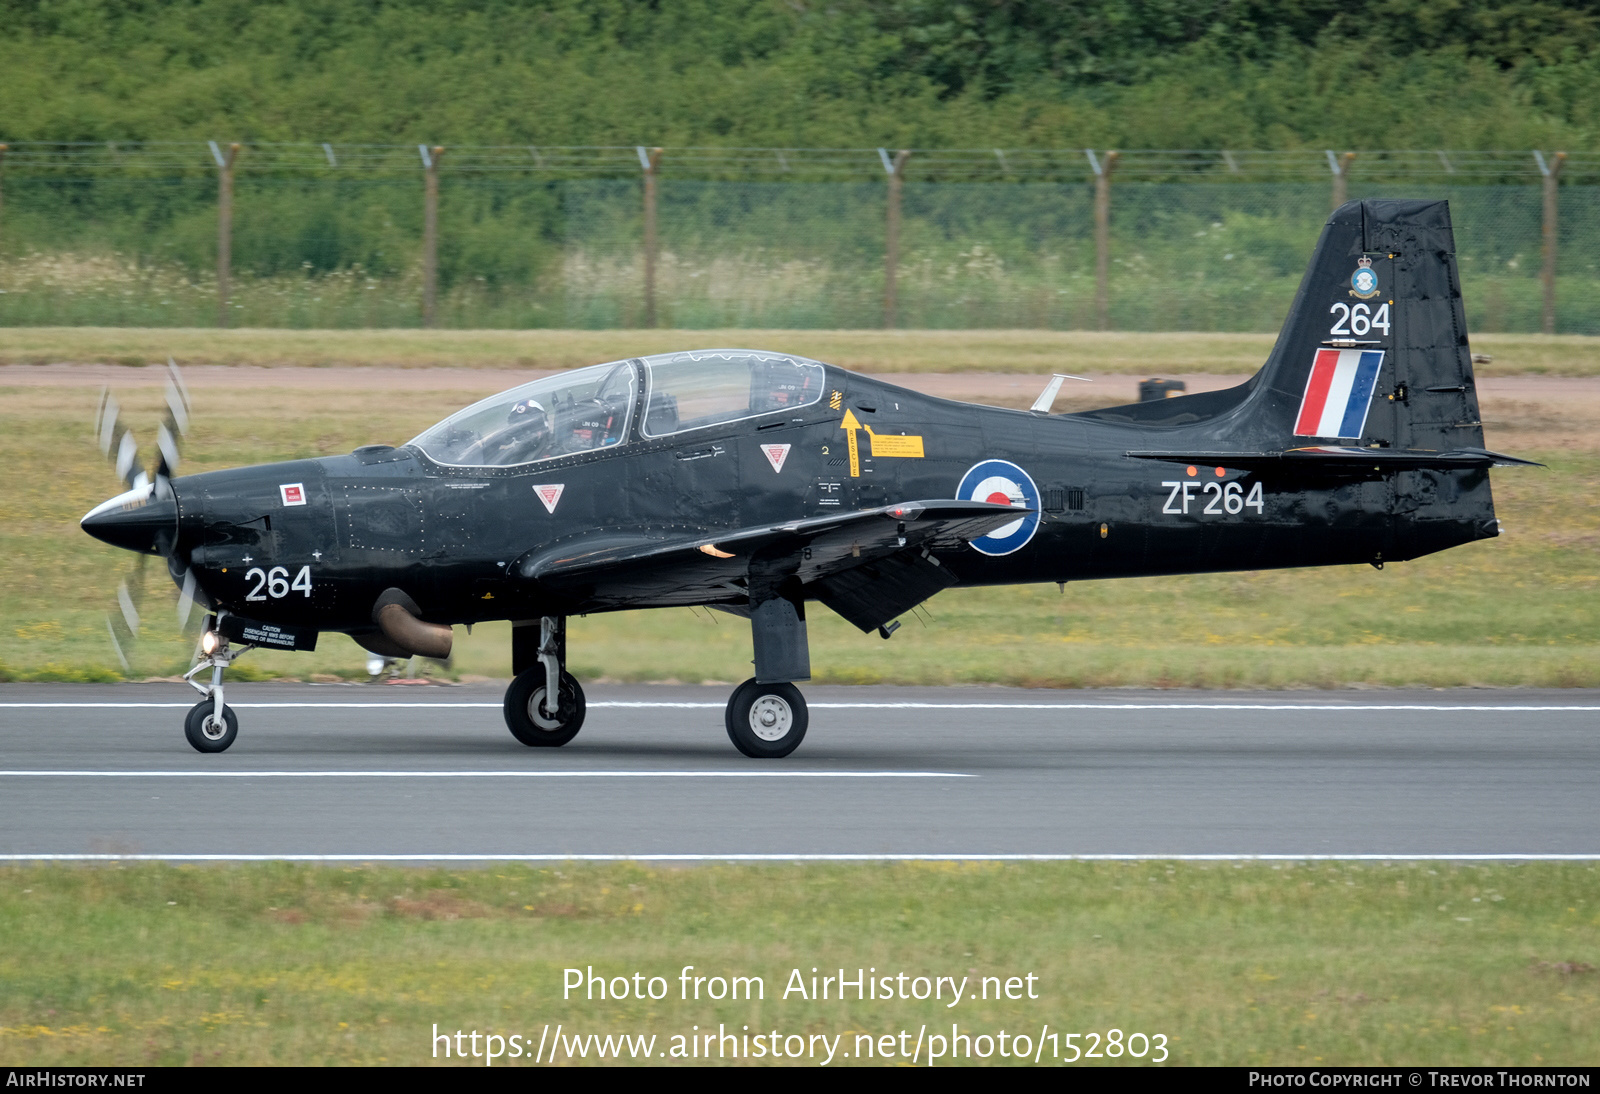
x,y
850,425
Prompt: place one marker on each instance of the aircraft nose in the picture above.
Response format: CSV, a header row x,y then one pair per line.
x,y
135,521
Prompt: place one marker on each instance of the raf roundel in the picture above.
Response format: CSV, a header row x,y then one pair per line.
x,y
1002,483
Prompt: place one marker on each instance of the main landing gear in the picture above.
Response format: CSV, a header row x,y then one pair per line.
x,y
766,721
766,716
211,725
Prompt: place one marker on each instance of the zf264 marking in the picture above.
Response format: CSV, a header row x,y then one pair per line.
x,y
1219,497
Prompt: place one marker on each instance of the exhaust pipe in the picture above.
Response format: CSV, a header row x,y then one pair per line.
x,y
399,618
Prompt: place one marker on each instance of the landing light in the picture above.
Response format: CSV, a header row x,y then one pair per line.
x,y
208,642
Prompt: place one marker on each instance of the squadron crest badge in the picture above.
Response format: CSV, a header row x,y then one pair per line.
x,y
1364,282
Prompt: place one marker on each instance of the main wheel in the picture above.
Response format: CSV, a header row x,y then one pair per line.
x,y
766,721
525,715
200,726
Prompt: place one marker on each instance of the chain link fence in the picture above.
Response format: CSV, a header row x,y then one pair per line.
x,y
321,236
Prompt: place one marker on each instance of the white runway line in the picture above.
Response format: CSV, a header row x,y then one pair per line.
x,y
488,774
1346,708
558,856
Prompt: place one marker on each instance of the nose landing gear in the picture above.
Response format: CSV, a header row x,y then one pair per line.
x,y
544,705
211,725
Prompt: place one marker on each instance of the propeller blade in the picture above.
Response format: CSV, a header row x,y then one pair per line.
x,y
105,420
129,469
130,614
171,431
175,379
116,646
177,398
186,599
167,446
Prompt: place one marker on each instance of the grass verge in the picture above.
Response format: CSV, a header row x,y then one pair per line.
x,y
1320,963
1038,351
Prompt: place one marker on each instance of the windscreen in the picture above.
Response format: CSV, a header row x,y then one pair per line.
x,y
699,388
560,415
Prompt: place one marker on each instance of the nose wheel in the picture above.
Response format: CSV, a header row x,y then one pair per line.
x,y
208,733
766,721
538,723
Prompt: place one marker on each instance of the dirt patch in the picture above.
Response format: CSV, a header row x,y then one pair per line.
x,y
437,904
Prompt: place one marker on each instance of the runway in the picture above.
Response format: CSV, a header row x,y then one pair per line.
x,y
389,773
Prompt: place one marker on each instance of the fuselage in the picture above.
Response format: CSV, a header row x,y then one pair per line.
x,y
312,543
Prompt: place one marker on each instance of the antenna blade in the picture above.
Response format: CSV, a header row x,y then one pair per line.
x,y
1047,397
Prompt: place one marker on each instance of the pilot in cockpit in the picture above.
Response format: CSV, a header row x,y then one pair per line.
x,y
526,436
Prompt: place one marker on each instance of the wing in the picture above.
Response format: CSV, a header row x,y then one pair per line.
x,y
862,563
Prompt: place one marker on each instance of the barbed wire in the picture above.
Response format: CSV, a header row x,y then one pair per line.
x,y
158,158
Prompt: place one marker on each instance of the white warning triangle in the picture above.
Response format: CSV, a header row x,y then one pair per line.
x,y
776,454
550,494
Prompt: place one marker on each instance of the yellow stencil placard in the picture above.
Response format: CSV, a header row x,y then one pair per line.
x,y
892,445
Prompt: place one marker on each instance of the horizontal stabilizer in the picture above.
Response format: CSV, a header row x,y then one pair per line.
x,y
1344,459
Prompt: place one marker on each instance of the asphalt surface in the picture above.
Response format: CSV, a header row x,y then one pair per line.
x,y
431,773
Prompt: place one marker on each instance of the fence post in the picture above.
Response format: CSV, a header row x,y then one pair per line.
x,y
3,148
1551,171
224,227
891,234
649,160
430,231
1340,166
1102,236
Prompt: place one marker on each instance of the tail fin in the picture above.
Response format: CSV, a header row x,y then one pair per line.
x,y
1374,351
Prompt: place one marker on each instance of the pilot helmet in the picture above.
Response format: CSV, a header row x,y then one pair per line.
x,y
521,411
527,430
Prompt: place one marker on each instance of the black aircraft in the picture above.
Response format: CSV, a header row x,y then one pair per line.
x,y
758,482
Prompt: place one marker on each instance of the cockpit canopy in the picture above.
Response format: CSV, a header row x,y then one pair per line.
x,y
592,408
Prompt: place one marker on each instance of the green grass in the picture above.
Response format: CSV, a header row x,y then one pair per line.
x,y
1321,963
1035,351
1520,610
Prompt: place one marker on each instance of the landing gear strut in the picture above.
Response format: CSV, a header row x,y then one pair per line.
x,y
767,715
544,705
211,725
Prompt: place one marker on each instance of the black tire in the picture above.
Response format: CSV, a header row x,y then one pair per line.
x,y
529,724
766,721
199,725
